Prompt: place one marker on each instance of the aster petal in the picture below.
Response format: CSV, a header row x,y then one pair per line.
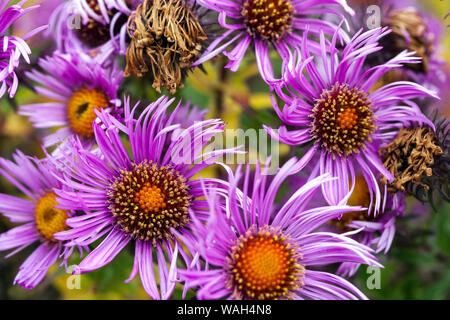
x,y
23,235
16,209
144,257
396,92
216,290
325,285
263,60
309,220
212,50
36,266
237,54
322,248
105,252
348,269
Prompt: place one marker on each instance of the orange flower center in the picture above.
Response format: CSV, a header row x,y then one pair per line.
x,y
347,119
150,198
265,266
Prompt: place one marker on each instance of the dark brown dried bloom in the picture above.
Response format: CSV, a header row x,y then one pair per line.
x,y
165,35
411,158
439,180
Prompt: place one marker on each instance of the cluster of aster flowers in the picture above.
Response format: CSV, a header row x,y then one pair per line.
x,y
121,172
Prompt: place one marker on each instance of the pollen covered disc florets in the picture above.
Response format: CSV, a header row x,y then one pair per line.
x,y
80,110
268,19
149,200
343,120
49,220
264,265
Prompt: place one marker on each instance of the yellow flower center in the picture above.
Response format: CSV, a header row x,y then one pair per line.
x,y
50,220
80,110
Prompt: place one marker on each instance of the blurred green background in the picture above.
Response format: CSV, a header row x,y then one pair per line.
x,y
417,267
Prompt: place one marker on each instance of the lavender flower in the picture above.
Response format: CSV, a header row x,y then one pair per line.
x,y
416,31
376,232
139,196
254,251
94,26
13,47
336,109
39,216
265,22
78,85
189,114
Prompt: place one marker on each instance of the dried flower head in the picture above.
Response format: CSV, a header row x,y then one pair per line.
x,y
410,156
165,36
419,160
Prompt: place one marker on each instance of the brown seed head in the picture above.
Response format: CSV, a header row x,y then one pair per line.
x,y
166,37
410,157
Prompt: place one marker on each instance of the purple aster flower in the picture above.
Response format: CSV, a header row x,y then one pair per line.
x,y
189,114
412,30
140,195
256,250
13,47
38,215
376,232
267,22
346,120
94,26
77,85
